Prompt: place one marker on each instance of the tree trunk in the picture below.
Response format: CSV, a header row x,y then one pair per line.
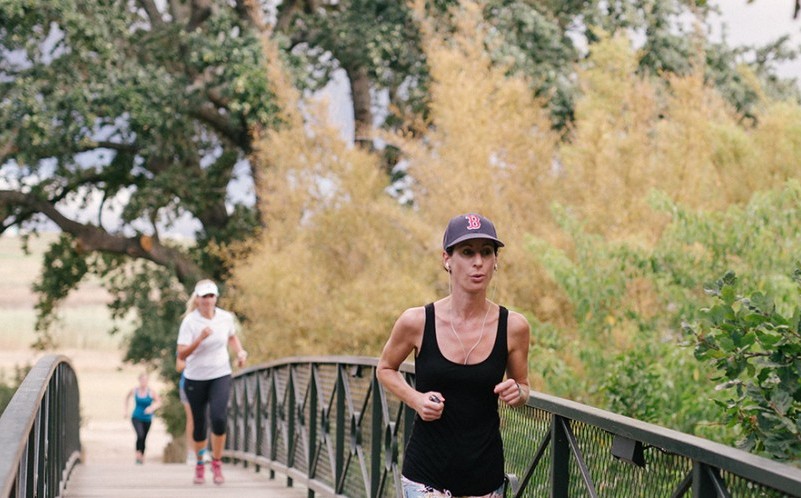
x,y
362,107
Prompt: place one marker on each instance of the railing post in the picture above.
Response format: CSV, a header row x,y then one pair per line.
x,y
41,445
313,406
53,439
376,445
273,420
58,433
339,465
703,484
242,433
259,436
560,459
291,409
28,477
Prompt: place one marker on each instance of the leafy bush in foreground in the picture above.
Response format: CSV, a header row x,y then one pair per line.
x,y
757,351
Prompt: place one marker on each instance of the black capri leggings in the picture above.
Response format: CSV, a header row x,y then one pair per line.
x,y
142,428
212,396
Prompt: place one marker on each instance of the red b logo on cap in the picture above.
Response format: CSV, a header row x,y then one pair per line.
x,y
473,222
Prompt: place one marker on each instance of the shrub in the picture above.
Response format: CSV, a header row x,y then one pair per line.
x,y
757,352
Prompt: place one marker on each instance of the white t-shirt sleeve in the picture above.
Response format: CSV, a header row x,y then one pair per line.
x,y
232,325
185,336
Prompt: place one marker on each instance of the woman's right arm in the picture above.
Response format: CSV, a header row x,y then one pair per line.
x,y
185,350
405,338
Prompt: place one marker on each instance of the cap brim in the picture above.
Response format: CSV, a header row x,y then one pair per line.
x,y
202,290
470,236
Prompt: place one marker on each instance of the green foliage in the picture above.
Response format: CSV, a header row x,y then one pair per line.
x,y
156,303
552,370
660,383
379,39
173,414
149,114
9,387
756,241
756,351
594,280
64,269
630,304
6,393
530,40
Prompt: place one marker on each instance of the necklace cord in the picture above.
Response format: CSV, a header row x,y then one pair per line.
x,y
481,336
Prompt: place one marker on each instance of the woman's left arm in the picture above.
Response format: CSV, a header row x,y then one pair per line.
x,y
156,404
236,346
514,391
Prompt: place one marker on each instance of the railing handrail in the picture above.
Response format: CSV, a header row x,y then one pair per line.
x,y
39,431
785,478
287,398
369,361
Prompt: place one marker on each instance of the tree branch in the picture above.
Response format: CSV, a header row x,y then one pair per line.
x,y
90,238
201,10
152,13
209,115
286,11
250,11
105,144
216,98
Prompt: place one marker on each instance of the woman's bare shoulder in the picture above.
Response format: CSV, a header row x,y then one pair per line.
x,y
411,320
518,324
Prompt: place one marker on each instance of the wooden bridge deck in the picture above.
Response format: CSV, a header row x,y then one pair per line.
x,y
128,480
108,470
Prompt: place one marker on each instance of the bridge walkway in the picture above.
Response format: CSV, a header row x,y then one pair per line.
x,y
128,480
107,467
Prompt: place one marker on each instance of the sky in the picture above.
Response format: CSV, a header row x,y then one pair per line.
x,y
759,23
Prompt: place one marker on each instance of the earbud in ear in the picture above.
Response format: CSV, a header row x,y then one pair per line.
x,y
496,267
448,266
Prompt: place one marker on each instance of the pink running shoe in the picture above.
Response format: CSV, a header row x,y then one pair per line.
x,y
200,476
216,469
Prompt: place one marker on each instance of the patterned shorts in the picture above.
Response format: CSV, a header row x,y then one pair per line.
x,y
413,489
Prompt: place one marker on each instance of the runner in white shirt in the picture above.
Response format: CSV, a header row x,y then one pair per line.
x,y
204,338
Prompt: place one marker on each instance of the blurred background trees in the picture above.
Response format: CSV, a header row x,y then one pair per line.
x,y
625,158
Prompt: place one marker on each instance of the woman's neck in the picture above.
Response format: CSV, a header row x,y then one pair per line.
x,y
209,313
469,305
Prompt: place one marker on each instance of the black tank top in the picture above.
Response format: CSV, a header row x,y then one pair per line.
x,y
462,452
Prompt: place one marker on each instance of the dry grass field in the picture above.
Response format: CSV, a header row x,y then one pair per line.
x,y
82,335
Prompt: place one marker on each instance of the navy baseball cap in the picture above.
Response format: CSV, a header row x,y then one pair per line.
x,y
469,226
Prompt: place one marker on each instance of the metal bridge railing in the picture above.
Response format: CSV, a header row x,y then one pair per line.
x,y
39,431
327,423
558,448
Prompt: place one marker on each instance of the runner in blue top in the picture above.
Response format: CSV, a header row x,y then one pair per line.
x,y
146,402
